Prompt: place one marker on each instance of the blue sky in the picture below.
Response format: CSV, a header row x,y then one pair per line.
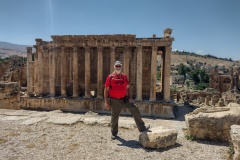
x,y
200,26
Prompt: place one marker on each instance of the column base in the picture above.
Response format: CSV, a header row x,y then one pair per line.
x,y
152,99
99,97
138,99
87,97
75,96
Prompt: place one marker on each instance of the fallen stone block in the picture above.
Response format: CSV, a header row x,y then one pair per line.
x,y
158,137
235,136
234,107
209,125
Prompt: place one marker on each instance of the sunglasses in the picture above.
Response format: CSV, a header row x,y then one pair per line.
x,y
118,66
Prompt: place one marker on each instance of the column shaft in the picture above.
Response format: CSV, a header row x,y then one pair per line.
x,y
167,68
139,74
126,61
52,72
63,73
87,73
112,58
75,72
153,74
100,73
40,70
29,71
36,74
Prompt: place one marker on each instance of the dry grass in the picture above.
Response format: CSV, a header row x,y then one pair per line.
x,y
30,146
14,134
177,59
73,146
3,141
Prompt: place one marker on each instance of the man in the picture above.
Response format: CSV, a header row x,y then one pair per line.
x,y
117,95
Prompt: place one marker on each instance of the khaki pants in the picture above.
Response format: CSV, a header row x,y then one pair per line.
x,y
116,108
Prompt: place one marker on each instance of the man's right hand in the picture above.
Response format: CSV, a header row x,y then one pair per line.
x,y
107,106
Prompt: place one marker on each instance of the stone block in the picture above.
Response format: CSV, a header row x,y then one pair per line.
x,y
209,125
235,137
234,107
158,137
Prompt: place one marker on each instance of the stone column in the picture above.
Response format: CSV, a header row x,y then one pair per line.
x,y
75,72
126,61
100,73
153,74
40,70
87,73
112,60
52,72
36,74
139,74
63,73
29,71
167,68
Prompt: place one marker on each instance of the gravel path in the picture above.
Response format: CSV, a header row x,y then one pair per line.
x,y
80,141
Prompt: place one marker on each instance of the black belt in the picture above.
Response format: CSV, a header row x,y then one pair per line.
x,y
117,98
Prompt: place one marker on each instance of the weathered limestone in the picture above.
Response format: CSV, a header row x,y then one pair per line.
x,y
235,137
100,73
153,74
29,71
160,110
212,123
139,74
40,71
9,95
77,66
166,80
112,58
63,72
52,72
87,72
75,72
158,137
126,60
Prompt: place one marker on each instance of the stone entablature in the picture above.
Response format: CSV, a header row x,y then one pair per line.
x,y
77,65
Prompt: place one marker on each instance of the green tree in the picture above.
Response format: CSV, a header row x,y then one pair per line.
x,y
194,75
183,70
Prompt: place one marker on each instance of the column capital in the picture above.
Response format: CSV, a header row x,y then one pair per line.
x,y
100,48
112,48
75,48
29,49
154,48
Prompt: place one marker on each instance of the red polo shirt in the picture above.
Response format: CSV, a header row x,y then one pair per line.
x,y
118,87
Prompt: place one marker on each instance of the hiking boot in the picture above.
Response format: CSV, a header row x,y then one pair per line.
x,y
113,137
146,128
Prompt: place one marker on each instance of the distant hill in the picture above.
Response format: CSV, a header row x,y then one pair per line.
x,y
9,49
184,57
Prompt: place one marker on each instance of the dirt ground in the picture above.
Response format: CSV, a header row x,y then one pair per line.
x,y
81,141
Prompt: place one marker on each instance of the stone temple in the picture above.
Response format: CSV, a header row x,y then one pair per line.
x,y
69,72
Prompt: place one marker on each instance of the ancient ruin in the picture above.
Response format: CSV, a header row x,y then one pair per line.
x,y
69,72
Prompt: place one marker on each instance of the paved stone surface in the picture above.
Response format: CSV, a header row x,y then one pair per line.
x,y
89,118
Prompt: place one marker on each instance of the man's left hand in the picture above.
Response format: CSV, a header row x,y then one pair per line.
x,y
130,100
